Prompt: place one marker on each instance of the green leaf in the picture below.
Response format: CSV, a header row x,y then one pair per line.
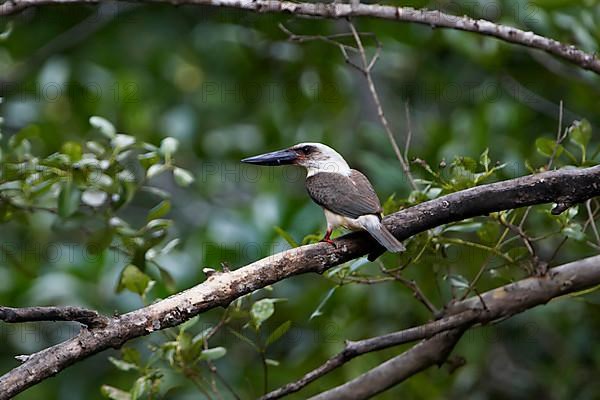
x,y
155,169
278,332
462,178
140,387
95,148
157,224
458,281
488,232
484,159
585,291
160,210
73,150
546,147
464,227
149,159
361,262
213,354
433,192
167,278
271,362
572,212
311,238
318,312
104,126
131,355
113,393
244,339
94,198
183,177
286,236
122,365
170,246
68,199
200,337
580,133
6,34
466,162
261,311
184,341
517,253
189,323
574,231
134,280
168,146
120,141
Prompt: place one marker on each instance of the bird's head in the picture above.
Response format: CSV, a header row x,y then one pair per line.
x,y
315,157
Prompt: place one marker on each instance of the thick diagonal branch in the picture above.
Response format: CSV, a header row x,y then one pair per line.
x,y
422,356
568,186
432,18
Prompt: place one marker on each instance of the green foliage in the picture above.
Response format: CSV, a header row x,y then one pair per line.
x,y
153,191
97,179
548,147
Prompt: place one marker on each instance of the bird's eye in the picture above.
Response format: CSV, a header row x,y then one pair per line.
x,y
306,149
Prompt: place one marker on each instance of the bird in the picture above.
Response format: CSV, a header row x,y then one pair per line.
x,y
345,194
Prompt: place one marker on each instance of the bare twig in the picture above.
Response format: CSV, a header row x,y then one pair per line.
x,y
518,230
366,70
560,136
84,316
408,132
412,285
482,269
591,221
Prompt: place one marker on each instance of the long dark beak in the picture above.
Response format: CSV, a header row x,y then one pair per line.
x,y
280,157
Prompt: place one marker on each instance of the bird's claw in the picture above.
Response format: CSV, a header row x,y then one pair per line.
x,y
331,242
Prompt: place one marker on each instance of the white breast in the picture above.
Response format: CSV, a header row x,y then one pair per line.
x,y
335,220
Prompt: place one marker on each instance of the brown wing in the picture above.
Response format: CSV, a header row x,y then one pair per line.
x,y
350,196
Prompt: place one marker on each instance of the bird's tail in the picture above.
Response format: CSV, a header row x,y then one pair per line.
x,y
373,225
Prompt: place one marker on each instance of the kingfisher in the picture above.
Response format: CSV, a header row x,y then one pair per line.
x,y
346,195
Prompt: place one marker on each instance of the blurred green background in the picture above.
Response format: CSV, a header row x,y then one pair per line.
x,y
227,84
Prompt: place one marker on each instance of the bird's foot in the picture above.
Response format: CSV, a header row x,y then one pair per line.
x,y
327,240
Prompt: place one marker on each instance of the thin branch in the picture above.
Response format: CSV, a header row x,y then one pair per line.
x,y
425,354
560,135
482,269
431,18
84,316
357,348
492,306
565,185
518,230
591,220
408,131
366,70
416,290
